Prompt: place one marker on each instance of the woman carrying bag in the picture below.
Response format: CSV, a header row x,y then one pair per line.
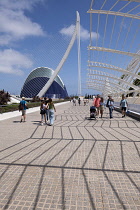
x,y
51,110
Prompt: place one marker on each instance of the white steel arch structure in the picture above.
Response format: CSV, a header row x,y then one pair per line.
x,y
76,34
111,76
116,48
113,68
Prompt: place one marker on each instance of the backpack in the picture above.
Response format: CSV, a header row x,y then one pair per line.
x,y
20,107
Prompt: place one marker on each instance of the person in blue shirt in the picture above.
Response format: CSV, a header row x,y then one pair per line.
x,y
23,103
123,105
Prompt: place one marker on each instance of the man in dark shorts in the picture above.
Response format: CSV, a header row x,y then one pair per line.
x,y
23,103
123,105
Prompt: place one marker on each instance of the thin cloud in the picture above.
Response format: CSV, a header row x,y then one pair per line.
x,y
12,62
14,24
67,31
20,5
84,33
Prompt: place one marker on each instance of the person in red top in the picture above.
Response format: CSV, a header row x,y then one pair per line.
x,y
96,103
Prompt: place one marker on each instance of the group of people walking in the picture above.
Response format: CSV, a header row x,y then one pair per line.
x,y
98,102
85,101
47,110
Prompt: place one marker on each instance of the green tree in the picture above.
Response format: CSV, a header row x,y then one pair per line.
x,y
4,97
135,82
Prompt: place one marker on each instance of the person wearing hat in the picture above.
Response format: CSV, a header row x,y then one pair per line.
x,y
23,104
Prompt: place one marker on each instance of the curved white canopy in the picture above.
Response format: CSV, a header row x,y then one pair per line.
x,y
116,48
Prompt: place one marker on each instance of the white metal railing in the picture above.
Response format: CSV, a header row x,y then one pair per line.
x,y
131,107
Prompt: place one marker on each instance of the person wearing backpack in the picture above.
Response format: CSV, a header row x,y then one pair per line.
x,y
123,105
23,107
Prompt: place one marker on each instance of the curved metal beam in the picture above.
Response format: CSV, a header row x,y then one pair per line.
x,y
101,90
52,78
114,68
118,79
113,51
105,89
112,83
114,13
104,92
118,93
132,0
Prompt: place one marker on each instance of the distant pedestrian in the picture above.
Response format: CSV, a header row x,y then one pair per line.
x,y
85,101
102,105
123,105
43,112
23,107
79,101
110,105
74,101
51,109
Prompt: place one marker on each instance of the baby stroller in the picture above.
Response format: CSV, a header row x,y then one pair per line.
x,y
93,112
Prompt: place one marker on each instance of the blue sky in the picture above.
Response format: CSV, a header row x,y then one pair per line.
x,y
36,33
30,31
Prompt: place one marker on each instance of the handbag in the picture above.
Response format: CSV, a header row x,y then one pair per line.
x,y
42,111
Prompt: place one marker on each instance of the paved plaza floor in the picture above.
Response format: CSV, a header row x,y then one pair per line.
x,y
76,164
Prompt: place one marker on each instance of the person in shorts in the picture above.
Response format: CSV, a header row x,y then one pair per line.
x,y
23,103
123,105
